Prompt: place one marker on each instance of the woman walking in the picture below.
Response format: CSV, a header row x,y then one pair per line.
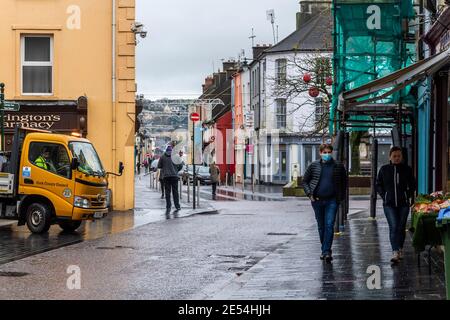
x,y
215,174
396,186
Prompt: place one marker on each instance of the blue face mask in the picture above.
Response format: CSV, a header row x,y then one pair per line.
x,y
326,156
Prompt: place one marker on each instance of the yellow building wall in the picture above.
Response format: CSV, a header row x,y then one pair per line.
x,y
82,66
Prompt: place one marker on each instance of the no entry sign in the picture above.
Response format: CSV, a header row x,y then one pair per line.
x,y
195,117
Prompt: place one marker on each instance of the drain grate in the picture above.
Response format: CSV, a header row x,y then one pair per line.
x,y
233,256
13,274
113,248
281,234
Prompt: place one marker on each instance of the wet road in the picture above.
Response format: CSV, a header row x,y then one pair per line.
x,y
18,242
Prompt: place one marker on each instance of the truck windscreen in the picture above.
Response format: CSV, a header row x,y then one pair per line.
x,y
87,156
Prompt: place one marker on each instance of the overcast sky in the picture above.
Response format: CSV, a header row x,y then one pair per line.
x,y
186,37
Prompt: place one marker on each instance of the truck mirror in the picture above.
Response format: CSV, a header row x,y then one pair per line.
x,y
74,164
121,167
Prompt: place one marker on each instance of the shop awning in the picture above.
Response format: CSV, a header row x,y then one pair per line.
x,y
393,82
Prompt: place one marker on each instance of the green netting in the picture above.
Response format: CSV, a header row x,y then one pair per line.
x,y
367,48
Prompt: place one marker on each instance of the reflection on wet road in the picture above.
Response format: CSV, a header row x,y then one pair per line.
x,y
18,242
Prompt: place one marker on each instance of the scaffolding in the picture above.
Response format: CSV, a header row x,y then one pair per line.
x,y
371,40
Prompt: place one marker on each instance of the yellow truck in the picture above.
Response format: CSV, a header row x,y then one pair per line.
x,y
50,179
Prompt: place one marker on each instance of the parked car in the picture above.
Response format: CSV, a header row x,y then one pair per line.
x,y
203,174
154,165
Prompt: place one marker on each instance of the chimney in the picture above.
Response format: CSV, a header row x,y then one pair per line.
x,y
230,67
310,9
209,81
222,77
216,78
230,64
259,49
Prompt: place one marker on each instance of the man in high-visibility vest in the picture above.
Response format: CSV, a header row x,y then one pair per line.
x,y
44,161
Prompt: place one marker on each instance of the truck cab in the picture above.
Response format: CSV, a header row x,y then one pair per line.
x,y
53,179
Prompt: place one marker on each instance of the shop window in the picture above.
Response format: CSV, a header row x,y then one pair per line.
x,y
37,65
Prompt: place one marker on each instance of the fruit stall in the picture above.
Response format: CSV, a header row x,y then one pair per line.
x,y
430,224
423,220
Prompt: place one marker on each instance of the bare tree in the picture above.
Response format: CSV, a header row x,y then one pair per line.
x,y
316,69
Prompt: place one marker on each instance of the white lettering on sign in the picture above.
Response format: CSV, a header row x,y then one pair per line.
x,y
74,20
45,122
374,20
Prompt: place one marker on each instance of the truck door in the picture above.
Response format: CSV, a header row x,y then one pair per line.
x,y
46,171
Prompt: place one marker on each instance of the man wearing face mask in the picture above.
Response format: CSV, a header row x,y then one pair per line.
x,y
325,182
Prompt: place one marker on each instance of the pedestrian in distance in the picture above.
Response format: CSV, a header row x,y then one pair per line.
x,y
396,185
170,168
160,178
146,165
138,167
325,183
214,172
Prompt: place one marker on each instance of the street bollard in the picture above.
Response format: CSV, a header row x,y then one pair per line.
x,y
253,184
243,185
188,190
198,193
226,179
150,180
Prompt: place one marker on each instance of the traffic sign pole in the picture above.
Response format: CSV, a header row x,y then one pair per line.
x,y
194,118
2,112
193,163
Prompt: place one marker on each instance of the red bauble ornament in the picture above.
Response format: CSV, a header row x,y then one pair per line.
x,y
313,92
329,81
307,77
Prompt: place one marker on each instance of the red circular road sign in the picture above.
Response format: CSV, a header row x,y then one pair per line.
x,y
195,117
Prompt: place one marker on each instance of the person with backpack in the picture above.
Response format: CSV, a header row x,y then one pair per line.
x,y
169,168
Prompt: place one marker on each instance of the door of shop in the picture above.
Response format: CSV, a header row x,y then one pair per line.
x,y
281,165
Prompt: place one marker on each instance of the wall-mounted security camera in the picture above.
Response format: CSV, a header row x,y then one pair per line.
x,y
138,29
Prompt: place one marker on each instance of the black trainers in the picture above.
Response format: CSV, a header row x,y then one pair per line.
x,y
328,258
322,256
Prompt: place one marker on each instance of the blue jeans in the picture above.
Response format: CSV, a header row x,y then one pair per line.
x,y
397,218
325,215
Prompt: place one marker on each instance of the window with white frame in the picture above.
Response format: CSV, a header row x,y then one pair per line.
x,y
37,64
319,109
281,113
281,67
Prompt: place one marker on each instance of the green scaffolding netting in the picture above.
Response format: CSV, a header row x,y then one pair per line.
x,y
371,39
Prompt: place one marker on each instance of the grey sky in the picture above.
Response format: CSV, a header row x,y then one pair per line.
x,y
185,37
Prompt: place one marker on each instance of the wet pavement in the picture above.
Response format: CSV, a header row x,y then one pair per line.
x,y
294,271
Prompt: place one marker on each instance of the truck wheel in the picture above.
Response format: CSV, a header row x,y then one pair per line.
x,y
39,218
70,226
